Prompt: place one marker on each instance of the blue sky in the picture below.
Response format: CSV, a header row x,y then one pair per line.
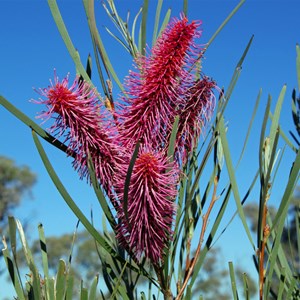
x,y
31,47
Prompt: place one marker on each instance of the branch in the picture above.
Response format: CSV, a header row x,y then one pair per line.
x,y
191,265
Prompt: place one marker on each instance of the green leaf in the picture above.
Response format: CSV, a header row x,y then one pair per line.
x,y
156,22
165,21
142,46
232,178
70,287
89,7
133,31
67,40
233,282
118,287
12,272
236,74
127,180
93,289
35,279
288,193
211,236
171,147
185,7
50,285
60,282
246,287
250,127
225,22
100,196
41,132
276,116
83,292
291,289
279,220
44,259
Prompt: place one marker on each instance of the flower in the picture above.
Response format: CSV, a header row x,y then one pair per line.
x,y
147,225
197,110
153,95
76,111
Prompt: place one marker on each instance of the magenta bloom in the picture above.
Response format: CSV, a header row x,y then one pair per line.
x,y
76,111
196,111
154,94
150,208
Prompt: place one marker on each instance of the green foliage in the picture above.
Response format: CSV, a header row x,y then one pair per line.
x,y
37,286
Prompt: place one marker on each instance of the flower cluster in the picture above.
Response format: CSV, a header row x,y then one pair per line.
x,y
164,86
146,224
76,111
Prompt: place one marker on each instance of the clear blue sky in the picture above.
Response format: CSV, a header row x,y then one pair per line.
x,y
31,47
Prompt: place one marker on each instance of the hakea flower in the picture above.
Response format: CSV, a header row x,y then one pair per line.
x,y
153,95
197,110
76,111
147,226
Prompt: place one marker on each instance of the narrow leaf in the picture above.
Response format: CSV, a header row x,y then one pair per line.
x,y
144,26
100,196
60,281
172,140
233,282
225,22
12,272
67,40
127,180
233,182
93,289
185,7
156,22
27,121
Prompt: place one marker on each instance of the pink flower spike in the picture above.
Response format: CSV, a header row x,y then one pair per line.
x,y
154,94
150,210
76,114
196,112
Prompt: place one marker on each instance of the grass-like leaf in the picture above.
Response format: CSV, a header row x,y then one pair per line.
x,y
143,33
44,252
40,131
128,178
165,21
100,196
60,281
156,21
67,40
279,220
93,289
276,116
185,7
233,282
233,182
69,287
13,273
89,7
171,147
225,22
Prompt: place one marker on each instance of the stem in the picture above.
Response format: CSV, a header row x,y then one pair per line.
x,y
261,252
193,262
160,276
